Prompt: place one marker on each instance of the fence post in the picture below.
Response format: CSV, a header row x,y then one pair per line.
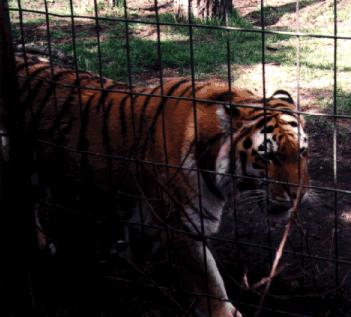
x,y
16,221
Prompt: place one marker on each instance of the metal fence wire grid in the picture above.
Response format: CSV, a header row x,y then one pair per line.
x,y
176,164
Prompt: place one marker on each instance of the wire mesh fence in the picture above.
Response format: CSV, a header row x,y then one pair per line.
x,y
158,187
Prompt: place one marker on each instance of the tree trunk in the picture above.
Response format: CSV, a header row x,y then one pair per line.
x,y
202,9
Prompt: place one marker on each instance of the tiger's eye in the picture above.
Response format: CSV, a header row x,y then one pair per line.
x,y
247,143
267,129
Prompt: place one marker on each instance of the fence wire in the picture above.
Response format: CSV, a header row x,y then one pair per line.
x,y
95,258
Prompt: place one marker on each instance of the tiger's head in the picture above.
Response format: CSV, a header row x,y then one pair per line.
x,y
270,150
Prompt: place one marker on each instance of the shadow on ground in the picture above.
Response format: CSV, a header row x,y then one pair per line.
x,y
272,14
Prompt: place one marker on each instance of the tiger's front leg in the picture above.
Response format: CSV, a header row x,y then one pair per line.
x,y
202,275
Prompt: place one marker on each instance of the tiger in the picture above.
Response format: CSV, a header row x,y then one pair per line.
x,y
178,151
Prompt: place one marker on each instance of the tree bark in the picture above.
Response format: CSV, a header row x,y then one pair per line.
x,y
202,9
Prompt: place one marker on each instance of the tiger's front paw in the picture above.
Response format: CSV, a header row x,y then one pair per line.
x,y
218,309
228,310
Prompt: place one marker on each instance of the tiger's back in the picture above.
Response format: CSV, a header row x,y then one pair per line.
x,y
88,116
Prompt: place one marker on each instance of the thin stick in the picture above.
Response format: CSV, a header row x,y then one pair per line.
x,y
280,249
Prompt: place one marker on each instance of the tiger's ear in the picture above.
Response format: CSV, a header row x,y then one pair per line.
x,y
283,95
226,110
223,94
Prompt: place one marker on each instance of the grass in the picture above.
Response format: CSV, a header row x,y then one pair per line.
x,y
210,47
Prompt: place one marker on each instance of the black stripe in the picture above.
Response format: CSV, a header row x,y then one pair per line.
x,y
143,118
210,184
244,133
105,129
201,164
247,143
116,85
83,142
264,121
267,114
143,110
151,130
161,106
37,114
208,163
232,165
186,90
32,76
122,115
243,160
104,94
32,127
275,109
101,102
179,168
106,139
50,90
66,105
65,131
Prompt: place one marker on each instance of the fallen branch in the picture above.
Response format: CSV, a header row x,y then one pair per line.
x,y
265,280
279,252
33,48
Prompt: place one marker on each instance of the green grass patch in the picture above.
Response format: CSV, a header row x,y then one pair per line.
x,y
210,47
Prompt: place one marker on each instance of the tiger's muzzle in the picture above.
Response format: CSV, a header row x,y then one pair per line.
x,y
278,207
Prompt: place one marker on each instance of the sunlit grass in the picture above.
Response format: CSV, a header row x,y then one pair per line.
x,y
210,47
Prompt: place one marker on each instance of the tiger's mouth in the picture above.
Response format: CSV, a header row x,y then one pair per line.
x,y
272,206
277,208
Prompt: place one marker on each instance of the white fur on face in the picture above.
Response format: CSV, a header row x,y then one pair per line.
x,y
291,124
259,139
